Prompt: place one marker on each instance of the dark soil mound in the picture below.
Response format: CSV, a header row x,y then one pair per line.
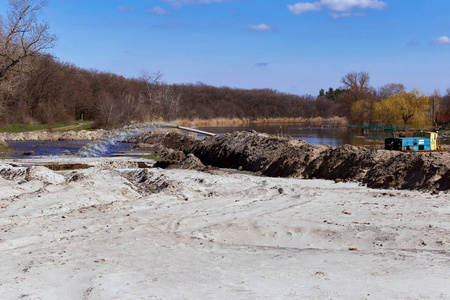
x,y
251,151
287,157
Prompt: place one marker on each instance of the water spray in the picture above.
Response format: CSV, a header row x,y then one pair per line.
x,y
100,146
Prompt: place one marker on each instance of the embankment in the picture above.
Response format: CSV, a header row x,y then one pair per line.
x,y
288,157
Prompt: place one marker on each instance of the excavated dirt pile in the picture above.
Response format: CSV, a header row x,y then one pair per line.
x,y
288,157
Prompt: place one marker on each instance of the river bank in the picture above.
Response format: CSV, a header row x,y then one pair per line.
x,y
118,228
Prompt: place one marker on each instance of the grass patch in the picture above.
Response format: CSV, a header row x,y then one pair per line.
x,y
15,128
79,125
151,156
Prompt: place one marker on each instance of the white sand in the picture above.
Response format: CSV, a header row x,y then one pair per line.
x,y
179,234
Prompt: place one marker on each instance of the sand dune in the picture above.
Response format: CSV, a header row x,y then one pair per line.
x,y
116,231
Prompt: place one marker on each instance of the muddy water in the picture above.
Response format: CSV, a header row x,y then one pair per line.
x,y
311,133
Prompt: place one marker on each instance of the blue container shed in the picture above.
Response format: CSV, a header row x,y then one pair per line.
x,y
410,144
420,141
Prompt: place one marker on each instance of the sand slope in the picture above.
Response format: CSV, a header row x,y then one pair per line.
x,y
115,231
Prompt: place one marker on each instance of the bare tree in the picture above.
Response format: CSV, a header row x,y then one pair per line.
x,y
148,96
169,102
443,112
151,78
22,36
160,98
357,83
390,89
114,112
357,88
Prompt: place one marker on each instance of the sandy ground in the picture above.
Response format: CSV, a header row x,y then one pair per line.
x,y
116,231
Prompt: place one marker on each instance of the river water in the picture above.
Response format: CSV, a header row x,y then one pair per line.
x,y
57,148
310,133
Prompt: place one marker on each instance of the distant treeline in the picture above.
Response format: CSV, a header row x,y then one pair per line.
x,y
53,92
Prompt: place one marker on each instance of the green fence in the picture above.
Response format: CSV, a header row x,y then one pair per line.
x,y
377,127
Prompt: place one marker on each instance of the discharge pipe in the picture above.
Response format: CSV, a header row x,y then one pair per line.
x,y
194,130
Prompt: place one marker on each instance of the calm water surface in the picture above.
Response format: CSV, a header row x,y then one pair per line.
x,y
312,134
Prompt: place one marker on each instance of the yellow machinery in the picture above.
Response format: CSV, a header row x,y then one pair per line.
x,y
435,142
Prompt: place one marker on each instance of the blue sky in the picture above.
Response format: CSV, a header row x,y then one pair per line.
x,y
293,46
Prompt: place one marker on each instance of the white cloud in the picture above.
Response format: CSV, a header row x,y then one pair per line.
x,y
338,8
347,5
300,8
261,27
180,3
158,11
443,40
